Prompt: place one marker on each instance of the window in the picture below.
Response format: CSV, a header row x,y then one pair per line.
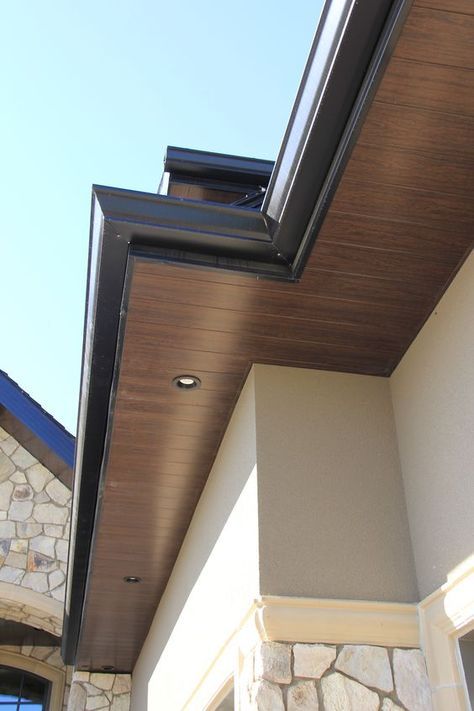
x,y
21,691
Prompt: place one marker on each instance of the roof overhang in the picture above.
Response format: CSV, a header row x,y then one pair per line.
x,y
133,232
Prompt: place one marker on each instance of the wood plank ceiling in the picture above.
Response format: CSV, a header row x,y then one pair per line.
x,y
397,231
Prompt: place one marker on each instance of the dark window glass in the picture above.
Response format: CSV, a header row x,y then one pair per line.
x,y
20,691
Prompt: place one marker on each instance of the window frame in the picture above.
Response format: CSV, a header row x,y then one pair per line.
x,y
56,677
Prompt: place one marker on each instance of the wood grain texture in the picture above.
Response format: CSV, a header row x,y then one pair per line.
x,y
398,229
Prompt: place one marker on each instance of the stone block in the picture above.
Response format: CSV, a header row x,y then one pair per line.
x,y
11,575
59,592
6,491
41,498
302,696
62,550
50,513
19,545
56,578
369,665
38,476
53,530
18,478
40,653
121,703
6,467
37,562
55,659
388,705
122,683
97,702
28,530
273,662
8,445
22,492
343,694
58,492
411,680
81,676
267,696
312,660
77,698
44,545
23,459
103,681
35,581
20,510
17,560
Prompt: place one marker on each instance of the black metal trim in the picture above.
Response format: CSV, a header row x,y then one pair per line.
x,y
185,162
131,225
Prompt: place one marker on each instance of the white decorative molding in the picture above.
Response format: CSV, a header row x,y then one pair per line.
x,y
55,676
446,615
307,620
287,619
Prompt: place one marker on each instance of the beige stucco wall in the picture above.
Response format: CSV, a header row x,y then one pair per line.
x,y
432,391
305,499
214,578
333,520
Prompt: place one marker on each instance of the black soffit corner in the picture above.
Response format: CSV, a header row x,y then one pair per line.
x,y
274,242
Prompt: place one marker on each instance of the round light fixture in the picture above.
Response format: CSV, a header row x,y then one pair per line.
x,y
133,579
186,382
107,668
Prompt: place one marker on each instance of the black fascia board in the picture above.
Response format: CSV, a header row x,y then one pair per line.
x,y
331,104
204,165
33,416
271,243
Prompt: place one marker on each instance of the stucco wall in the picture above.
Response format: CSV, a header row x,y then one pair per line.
x,y
432,391
333,520
214,579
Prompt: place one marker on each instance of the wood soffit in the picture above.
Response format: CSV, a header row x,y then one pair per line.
x,y
398,229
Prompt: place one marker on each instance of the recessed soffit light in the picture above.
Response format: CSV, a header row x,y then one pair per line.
x,y
132,579
186,382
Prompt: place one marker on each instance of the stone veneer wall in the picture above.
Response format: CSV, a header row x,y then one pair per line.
x,y
317,677
34,523
47,655
100,692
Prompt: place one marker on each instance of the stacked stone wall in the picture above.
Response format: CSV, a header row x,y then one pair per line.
x,y
100,692
34,522
319,677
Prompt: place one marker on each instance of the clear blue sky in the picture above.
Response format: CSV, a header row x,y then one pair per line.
x,y
93,91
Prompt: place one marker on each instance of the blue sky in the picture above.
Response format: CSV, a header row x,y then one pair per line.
x,y
93,92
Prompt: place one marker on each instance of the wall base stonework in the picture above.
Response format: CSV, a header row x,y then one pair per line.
x,y
100,692
320,677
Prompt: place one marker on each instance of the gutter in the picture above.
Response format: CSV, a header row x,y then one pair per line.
x,y
353,43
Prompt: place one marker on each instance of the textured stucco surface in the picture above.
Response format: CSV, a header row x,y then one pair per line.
x,y
214,579
433,399
332,513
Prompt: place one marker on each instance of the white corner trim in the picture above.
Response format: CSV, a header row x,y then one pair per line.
x,y
307,620
55,676
287,619
446,615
